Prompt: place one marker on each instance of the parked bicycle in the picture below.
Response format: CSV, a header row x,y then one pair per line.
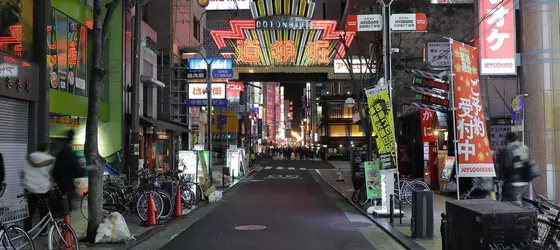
x,y
122,198
405,186
60,234
13,237
546,234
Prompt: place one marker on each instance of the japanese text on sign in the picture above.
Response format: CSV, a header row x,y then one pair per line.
x,y
249,51
198,91
427,119
473,147
381,116
497,41
432,100
431,84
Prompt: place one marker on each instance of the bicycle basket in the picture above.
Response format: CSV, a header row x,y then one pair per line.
x,y
13,210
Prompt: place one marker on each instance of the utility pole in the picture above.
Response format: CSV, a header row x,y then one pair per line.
x,y
135,89
209,114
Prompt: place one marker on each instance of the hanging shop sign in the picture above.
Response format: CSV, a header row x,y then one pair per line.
x,y
373,179
226,4
409,22
371,22
431,100
359,66
473,147
196,74
381,115
222,73
518,116
437,54
431,84
197,91
216,63
427,118
497,37
283,35
18,78
203,103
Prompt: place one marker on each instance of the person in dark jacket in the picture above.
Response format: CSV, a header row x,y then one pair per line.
x,y
67,167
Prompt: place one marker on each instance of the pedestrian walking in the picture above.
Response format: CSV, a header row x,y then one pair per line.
x,y
36,179
67,167
518,167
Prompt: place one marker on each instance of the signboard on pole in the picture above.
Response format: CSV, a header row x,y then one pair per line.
x,y
437,54
381,114
197,91
473,147
497,37
196,74
371,22
409,22
373,179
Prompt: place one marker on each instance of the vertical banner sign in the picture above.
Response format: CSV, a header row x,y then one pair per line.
x,y
381,115
426,121
373,179
473,147
497,37
517,116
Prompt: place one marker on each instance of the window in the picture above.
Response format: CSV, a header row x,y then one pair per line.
x,y
338,131
356,130
339,111
196,29
67,54
16,28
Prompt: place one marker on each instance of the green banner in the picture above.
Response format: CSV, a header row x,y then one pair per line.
x,y
381,114
373,179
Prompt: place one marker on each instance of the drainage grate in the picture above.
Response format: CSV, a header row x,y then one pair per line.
x,y
352,224
250,227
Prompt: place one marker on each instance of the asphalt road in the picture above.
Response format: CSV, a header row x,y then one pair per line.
x,y
295,209
306,164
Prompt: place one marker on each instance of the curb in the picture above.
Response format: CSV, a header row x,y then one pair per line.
x,y
402,239
146,235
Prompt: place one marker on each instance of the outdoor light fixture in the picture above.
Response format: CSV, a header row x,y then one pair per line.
x,y
190,51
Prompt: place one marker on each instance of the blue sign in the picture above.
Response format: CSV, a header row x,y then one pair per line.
x,y
217,63
222,73
202,103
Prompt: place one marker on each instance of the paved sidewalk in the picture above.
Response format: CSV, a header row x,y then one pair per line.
x,y
346,189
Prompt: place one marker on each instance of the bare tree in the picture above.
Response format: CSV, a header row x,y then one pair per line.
x,y
102,15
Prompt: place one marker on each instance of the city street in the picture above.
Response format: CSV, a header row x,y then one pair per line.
x,y
284,207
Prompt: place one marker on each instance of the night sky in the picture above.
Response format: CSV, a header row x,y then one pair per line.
x,y
293,92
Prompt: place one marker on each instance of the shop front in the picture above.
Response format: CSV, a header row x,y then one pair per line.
x,y
18,101
160,145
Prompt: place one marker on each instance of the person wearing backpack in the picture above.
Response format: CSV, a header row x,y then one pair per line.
x,y
518,167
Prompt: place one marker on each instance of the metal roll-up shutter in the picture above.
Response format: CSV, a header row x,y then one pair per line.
x,y
13,143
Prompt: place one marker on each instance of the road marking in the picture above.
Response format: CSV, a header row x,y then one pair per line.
x,y
279,168
269,167
302,168
291,168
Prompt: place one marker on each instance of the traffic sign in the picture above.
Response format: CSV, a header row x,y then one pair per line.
x,y
202,103
196,73
222,73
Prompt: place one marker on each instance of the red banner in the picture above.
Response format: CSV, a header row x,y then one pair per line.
x,y
426,124
473,147
497,37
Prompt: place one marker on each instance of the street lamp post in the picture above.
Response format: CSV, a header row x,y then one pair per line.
x,y
195,51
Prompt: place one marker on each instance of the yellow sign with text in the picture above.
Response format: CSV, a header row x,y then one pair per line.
x,y
381,115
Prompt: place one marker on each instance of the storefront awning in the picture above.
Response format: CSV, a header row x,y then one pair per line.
x,y
163,124
152,81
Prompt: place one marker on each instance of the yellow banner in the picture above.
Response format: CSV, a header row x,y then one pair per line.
x,y
381,115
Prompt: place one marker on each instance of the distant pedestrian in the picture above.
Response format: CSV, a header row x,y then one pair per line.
x,y
67,167
519,168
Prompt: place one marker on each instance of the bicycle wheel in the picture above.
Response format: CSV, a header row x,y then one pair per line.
x,y
167,209
362,197
187,197
107,199
415,185
16,238
63,238
142,205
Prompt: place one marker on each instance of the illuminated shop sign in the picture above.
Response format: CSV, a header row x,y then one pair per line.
x,y
283,35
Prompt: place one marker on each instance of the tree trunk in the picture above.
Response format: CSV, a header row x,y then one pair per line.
x,y
91,150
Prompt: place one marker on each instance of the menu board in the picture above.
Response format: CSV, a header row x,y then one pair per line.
x,y
448,165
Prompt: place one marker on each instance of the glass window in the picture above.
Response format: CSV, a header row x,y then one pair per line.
x,y
16,27
357,131
338,131
68,49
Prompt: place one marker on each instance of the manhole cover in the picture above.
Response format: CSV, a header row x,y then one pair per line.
x,y
250,227
352,224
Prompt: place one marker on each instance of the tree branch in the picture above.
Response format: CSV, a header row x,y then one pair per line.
x,y
111,7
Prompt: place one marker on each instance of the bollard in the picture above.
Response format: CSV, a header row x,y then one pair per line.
x,y
391,209
400,212
443,231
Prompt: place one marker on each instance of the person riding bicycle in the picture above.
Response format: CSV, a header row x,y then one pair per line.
x,y
66,168
36,179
